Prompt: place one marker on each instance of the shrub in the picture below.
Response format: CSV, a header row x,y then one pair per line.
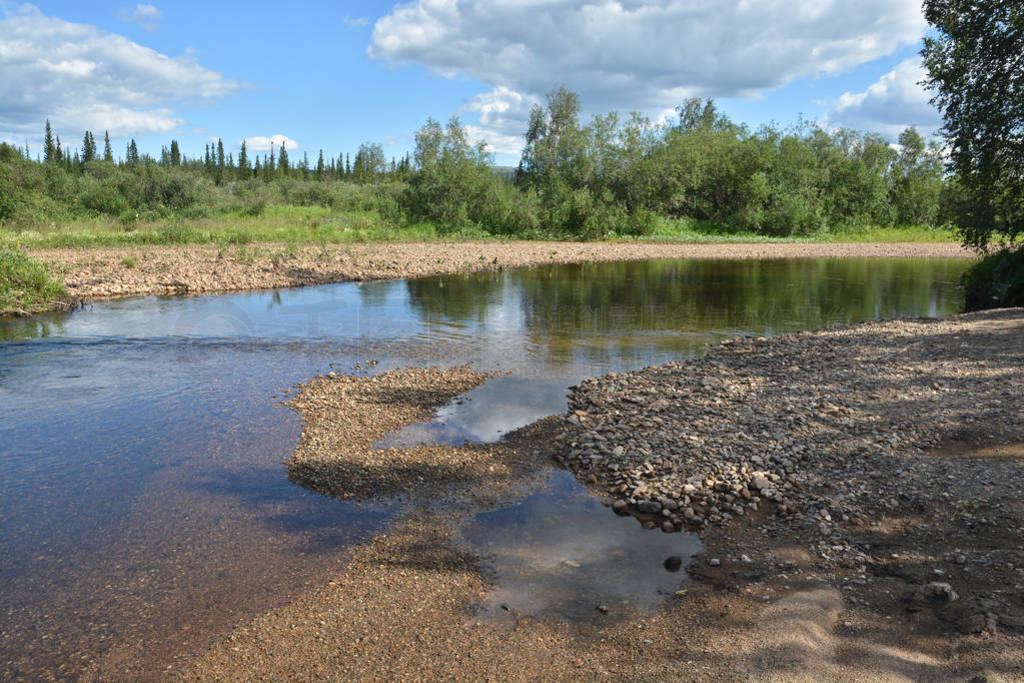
x,y
997,281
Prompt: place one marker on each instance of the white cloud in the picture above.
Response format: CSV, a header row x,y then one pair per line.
x,y
262,143
889,105
357,22
645,55
81,77
146,16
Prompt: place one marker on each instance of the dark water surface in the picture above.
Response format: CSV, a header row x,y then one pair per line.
x,y
143,505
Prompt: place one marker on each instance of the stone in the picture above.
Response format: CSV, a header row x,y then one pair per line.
x,y
939,592
668,527
649,507
714,562
760,483
673,563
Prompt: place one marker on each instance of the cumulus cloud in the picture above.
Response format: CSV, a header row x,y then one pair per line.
x,y
889,105
146,16
643,55
81,77
262,143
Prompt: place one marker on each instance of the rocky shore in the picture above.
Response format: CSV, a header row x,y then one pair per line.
x,y
779,422
106,272
860,492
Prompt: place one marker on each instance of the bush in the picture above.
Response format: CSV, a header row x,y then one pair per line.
x,y
25,284
997,281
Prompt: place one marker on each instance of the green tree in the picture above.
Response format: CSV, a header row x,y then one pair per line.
x,y
243,162
108,153
975,64
916,183
175,154
282,159
88,147
50,149
319,173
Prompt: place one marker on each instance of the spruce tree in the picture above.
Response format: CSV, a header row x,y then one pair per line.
x,y
243,162
50,154
58,154
282,159
220,154
108,153
175,154
320,166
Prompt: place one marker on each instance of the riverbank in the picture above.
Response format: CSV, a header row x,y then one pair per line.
x,y
894,552
101,273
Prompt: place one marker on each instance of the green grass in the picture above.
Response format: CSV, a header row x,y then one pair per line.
x,y
687,230
317,225
25,285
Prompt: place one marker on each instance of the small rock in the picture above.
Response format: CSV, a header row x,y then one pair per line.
x,y
714,562
673,563
939,592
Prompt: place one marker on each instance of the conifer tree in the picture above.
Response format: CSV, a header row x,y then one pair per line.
x,y
108,153
175,153
58,154
243,162
133,153
320,166
348,167
220,154
282,159
256,168
88,148
50,153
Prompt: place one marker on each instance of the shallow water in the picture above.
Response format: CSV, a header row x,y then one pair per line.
x,y
144,509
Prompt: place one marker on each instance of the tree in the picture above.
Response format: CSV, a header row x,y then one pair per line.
x,y
243,162
975,64
108,153
88,147
49,150
319,173
282,159
175,153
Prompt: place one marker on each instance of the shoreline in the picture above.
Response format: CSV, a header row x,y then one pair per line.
x,y
92,274
889,557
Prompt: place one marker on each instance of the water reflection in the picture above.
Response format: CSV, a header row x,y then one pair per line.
x,y
561,553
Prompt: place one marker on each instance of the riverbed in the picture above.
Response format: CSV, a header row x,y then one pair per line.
x,y
144,507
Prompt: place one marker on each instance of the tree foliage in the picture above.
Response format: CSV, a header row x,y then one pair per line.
x,y
975,64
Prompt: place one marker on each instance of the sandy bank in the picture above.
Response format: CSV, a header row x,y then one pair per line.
x,y
894,558
112,272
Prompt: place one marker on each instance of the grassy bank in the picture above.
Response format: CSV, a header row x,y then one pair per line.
x,y
312,225
26,286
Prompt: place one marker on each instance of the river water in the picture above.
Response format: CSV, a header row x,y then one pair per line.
x,y
144,509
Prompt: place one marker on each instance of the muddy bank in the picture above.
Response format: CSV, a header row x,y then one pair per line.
x,y
100,273
898,558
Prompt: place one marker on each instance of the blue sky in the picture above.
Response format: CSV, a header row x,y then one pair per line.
x,y
332,75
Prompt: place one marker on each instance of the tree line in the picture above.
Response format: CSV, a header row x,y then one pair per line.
x,y
613,175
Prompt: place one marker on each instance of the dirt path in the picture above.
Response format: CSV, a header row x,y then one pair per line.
x,y
111,272
919,578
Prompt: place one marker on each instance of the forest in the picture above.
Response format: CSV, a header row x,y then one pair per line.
x,y
614,176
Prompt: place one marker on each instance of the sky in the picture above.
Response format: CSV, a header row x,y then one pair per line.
x,y
333,75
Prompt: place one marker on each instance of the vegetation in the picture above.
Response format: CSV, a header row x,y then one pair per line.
x,y
25,286
997,281
975,64
612,178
